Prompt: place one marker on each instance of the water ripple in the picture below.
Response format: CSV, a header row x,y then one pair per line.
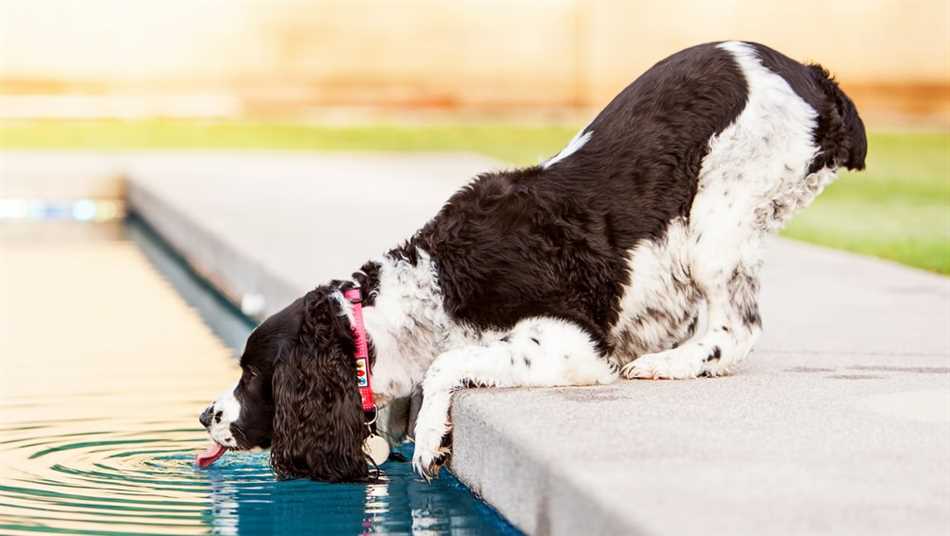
x,y
98,423
145,482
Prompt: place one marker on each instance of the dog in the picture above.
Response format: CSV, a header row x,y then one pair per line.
x,y
634,252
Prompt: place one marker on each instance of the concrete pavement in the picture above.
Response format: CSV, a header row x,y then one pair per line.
x,y
794,444
61,175
266,227
838,423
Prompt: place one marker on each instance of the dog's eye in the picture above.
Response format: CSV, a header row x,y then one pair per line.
x,y
251,372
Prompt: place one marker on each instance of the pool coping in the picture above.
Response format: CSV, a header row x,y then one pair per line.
x,y
238,278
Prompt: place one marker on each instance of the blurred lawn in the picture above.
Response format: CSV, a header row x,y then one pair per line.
x,y
898,209
510,143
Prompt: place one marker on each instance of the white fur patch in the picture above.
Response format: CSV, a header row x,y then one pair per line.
x,y
224,411
579,140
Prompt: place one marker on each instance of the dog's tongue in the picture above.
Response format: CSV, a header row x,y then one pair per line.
x,y
210,454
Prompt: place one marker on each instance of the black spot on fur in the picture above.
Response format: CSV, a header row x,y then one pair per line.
x,y
750,316
725,328
692,325
535,341
217,416
744,288
714,355
506,338
527,362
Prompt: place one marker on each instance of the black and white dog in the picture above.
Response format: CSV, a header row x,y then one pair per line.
x,y
633,253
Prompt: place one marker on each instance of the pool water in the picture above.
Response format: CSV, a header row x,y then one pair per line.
x,y
110,349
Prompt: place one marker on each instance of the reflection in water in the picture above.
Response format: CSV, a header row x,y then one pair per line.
x,y
104,370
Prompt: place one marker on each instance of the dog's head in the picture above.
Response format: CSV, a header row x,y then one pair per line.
x,y
297,394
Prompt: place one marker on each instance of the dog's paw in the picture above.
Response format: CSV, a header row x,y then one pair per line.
x,y
677,364
432,448
428,463
431,452
715,369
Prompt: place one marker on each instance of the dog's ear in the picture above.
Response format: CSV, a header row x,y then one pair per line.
x,y
840,133
318,420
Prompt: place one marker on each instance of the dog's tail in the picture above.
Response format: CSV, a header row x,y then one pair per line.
x,y
840,134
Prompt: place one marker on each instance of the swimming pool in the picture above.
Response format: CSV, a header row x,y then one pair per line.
x,y
110,348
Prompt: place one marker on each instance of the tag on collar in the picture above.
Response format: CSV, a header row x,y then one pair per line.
x,y
377,448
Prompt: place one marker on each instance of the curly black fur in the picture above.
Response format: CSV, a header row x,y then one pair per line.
x,y
318,421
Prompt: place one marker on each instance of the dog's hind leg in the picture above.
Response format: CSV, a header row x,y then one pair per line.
x,y
733,327
536,352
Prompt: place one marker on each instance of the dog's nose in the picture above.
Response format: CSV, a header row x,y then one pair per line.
x,y
205,417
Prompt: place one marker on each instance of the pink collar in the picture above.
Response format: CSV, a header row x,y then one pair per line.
x,y
362,349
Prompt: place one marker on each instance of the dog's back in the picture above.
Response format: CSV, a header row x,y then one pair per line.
x,y
722,140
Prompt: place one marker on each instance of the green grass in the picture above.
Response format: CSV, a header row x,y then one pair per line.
x,y
899,208
511,143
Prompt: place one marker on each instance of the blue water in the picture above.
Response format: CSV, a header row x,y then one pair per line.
x,y
245,493
102,440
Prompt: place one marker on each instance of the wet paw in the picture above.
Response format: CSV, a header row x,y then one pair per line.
x,y
432,448
677,364
427,464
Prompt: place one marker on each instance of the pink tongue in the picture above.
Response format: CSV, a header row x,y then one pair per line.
x,y
210,454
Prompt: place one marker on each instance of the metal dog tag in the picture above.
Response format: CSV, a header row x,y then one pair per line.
x,y
377,448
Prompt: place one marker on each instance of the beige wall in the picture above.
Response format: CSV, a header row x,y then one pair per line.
x,y
441,53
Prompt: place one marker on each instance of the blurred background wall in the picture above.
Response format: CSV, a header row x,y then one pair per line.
x,y
301,59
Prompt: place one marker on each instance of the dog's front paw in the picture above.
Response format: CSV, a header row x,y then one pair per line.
x,y
432,425
429,455
676,364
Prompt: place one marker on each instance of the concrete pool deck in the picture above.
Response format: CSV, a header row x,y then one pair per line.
x,y
838,423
